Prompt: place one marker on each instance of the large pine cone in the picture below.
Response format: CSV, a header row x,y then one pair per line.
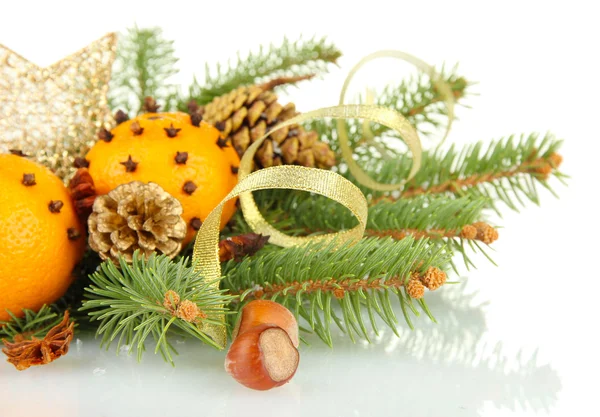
x,y
247,113
136,216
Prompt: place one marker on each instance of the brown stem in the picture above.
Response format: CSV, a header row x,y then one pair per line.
x,y
477,231
399,234
541,167
433,278
276,82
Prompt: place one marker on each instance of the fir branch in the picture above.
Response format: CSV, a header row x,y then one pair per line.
x,y
152,297
298,58
416,98
507,170
32,324
455,222
419,100
145,62
360,277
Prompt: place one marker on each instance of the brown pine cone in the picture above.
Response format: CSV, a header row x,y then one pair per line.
x,y
247,113
136,216
433,278
83,193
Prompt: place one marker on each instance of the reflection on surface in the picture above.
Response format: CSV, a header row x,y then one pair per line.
x,y
451,366
439,370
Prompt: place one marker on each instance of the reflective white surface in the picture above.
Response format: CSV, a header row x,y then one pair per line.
x,y
512,340
452,368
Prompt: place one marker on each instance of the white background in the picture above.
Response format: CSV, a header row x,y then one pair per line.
x,y
513,340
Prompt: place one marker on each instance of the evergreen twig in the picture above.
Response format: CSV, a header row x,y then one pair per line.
x,y
360,277
300,58
145,299
441,219
145,62
32,324
502,170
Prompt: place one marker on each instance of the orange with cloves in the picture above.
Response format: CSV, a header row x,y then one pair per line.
x,y
41,238
179,152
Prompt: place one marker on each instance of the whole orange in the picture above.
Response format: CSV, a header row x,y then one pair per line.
x,y
188,161
41,239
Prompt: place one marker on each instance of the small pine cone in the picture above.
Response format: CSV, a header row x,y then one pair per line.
x,y
433,278
189,311
486,233
468,232
415,288
83,193
136,216
247,113
171,301
544,169
555,160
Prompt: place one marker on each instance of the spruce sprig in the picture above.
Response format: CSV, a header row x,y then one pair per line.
x,y
440,219
360,278
301,57
505,170
145,62
32,324
140,300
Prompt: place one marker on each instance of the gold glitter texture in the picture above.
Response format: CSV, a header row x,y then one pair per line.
x,y
54,113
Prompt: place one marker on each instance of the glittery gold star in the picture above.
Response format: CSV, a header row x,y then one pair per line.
x,y
54,113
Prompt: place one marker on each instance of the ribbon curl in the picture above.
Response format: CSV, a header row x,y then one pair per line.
x,y
326,183
406,130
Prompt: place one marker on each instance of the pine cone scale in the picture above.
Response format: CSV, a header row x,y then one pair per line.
x,y
255,111
248,113
136,216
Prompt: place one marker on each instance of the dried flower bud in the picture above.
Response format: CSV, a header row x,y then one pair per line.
x,y
415,288
136,128
150,105
433,278
121,116
171,301
189,311
28,180
468,232
237,247
486,233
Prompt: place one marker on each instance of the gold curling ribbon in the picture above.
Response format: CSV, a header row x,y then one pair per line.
x,y
327,183
406,130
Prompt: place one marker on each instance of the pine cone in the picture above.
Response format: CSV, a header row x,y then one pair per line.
x,y
136,216
83,193
247,113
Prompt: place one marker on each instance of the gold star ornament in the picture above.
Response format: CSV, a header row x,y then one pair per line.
x,y
53,114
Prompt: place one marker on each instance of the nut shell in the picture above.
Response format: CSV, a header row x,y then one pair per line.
x,y
262,358
259,312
